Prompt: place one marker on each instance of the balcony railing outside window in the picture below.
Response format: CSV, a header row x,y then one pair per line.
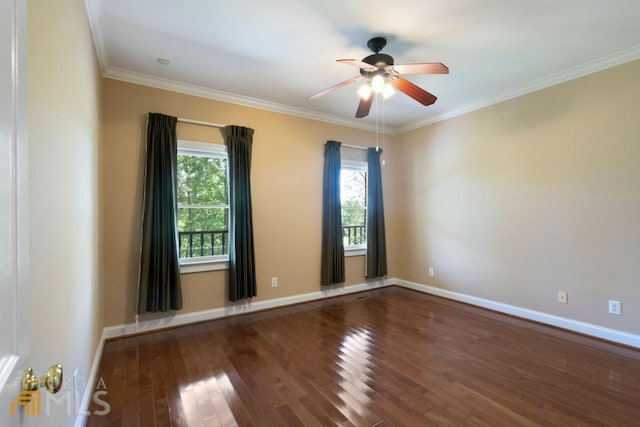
x,y
354,235
203,243
216,242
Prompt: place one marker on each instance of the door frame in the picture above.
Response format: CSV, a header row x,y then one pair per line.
x,y
14,198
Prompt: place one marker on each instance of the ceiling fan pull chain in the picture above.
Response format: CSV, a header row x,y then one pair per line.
x,y
377,119
382,154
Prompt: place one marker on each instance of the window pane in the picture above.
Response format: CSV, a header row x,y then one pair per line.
x,y
203,231
353,216
202,180
353,187
353,194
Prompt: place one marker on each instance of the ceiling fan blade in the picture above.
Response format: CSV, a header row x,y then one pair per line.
x,y
425,68
359,64
334,87
415,92
364,107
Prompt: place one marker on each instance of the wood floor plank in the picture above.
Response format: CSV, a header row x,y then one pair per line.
x,y
384,357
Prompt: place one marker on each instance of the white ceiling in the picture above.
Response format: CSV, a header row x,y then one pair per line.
x,y
272,54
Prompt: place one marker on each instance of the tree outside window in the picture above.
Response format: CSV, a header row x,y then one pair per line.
x,y
353,194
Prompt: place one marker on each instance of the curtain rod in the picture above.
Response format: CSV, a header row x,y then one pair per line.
x,y
357,147
198,122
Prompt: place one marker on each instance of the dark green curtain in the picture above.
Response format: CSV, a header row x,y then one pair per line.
x,y
376,240
159,288
332,262
242,270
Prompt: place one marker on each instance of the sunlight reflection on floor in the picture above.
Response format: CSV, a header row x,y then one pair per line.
x,y
355,361
208,400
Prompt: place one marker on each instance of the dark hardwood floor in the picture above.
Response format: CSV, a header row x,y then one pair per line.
x,y
389,357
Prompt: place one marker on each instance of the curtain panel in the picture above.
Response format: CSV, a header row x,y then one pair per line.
x,y
159,279
242,272
376,239
332,261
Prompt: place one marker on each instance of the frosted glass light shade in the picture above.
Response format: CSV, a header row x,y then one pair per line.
x,y
365,91
377,83
387,91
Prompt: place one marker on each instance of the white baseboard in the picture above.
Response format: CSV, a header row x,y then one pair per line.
x,y
549,319
248,307
83,408
183,319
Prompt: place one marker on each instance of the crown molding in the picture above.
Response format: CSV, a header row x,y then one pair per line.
x,y
94,14
218,95
572,73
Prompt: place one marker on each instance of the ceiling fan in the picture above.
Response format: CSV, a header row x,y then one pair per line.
x,y
383,75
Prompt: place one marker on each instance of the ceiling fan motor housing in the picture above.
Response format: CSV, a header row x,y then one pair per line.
x,y
378,60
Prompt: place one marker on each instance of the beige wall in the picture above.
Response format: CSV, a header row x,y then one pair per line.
x,y
66,310
522,199
511,203
287,195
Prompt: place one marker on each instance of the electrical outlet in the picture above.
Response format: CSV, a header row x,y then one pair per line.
x,y
562,297
274,282
431,272
615,307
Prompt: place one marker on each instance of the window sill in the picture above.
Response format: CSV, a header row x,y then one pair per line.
x,y
197,267
355,252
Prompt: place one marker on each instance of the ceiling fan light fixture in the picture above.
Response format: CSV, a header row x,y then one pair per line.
x,y
383,76
365,91
387,91
377,83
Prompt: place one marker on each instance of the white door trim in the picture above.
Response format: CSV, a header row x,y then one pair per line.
x,y
13,202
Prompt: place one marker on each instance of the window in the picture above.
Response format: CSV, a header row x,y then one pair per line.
x,y
203,205
353,194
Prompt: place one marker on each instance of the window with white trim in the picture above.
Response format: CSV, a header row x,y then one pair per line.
x,y
353,195
203,204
